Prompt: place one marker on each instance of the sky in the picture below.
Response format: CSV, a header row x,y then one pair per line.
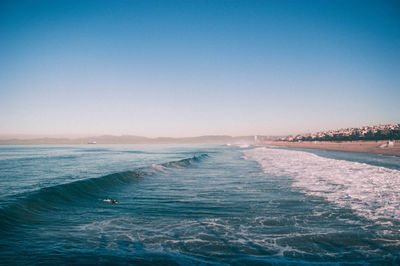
x,y
190,68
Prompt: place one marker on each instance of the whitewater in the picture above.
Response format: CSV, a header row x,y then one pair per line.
x,y
371,191
197,204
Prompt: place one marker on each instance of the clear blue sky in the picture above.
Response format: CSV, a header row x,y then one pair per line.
x,y
187,68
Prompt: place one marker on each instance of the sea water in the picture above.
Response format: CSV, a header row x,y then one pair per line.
x,y
197,204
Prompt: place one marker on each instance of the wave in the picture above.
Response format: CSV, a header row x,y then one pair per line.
x,y
371,191
27,159
58,196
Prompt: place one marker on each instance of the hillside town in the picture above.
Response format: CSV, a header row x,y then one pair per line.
x,y
381,132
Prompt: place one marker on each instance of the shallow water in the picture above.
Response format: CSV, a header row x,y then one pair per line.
x,y
197,204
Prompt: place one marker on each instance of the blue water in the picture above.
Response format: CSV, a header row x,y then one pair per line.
x,y
192,204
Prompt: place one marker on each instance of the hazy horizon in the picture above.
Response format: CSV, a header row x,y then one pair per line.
x,y
76,136
194,68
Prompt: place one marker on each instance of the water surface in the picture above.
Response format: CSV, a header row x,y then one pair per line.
x,y
197,204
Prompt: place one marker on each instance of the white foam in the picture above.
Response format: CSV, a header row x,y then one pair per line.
x,y
243,145
372,191
158,167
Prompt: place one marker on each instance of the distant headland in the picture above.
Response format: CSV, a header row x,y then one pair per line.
x,y
382,139
381,132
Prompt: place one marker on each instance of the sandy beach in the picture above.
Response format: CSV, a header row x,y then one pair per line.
x,y
377,147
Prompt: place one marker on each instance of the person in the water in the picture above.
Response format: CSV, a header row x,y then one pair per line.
x,y
111,201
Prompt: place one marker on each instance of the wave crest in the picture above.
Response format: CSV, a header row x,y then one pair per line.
x,y
58,196
371,191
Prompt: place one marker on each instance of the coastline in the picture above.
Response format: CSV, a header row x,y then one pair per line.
x,y
351,146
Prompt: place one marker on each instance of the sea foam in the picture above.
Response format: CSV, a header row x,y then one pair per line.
x,y
371,191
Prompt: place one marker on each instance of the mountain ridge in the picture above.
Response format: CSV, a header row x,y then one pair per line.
x,y
127,139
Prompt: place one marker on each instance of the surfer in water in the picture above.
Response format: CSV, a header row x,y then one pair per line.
x,y
110,201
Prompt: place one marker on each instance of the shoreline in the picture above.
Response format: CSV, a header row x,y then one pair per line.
x,y
364,146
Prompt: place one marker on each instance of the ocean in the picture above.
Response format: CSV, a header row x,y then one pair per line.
x,y
197,204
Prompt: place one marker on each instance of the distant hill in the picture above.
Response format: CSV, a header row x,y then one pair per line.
x,y
378,132
109,139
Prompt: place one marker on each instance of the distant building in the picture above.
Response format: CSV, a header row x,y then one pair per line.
x,y
380,132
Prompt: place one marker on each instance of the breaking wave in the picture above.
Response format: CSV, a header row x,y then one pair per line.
x,y
58,196
371,191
